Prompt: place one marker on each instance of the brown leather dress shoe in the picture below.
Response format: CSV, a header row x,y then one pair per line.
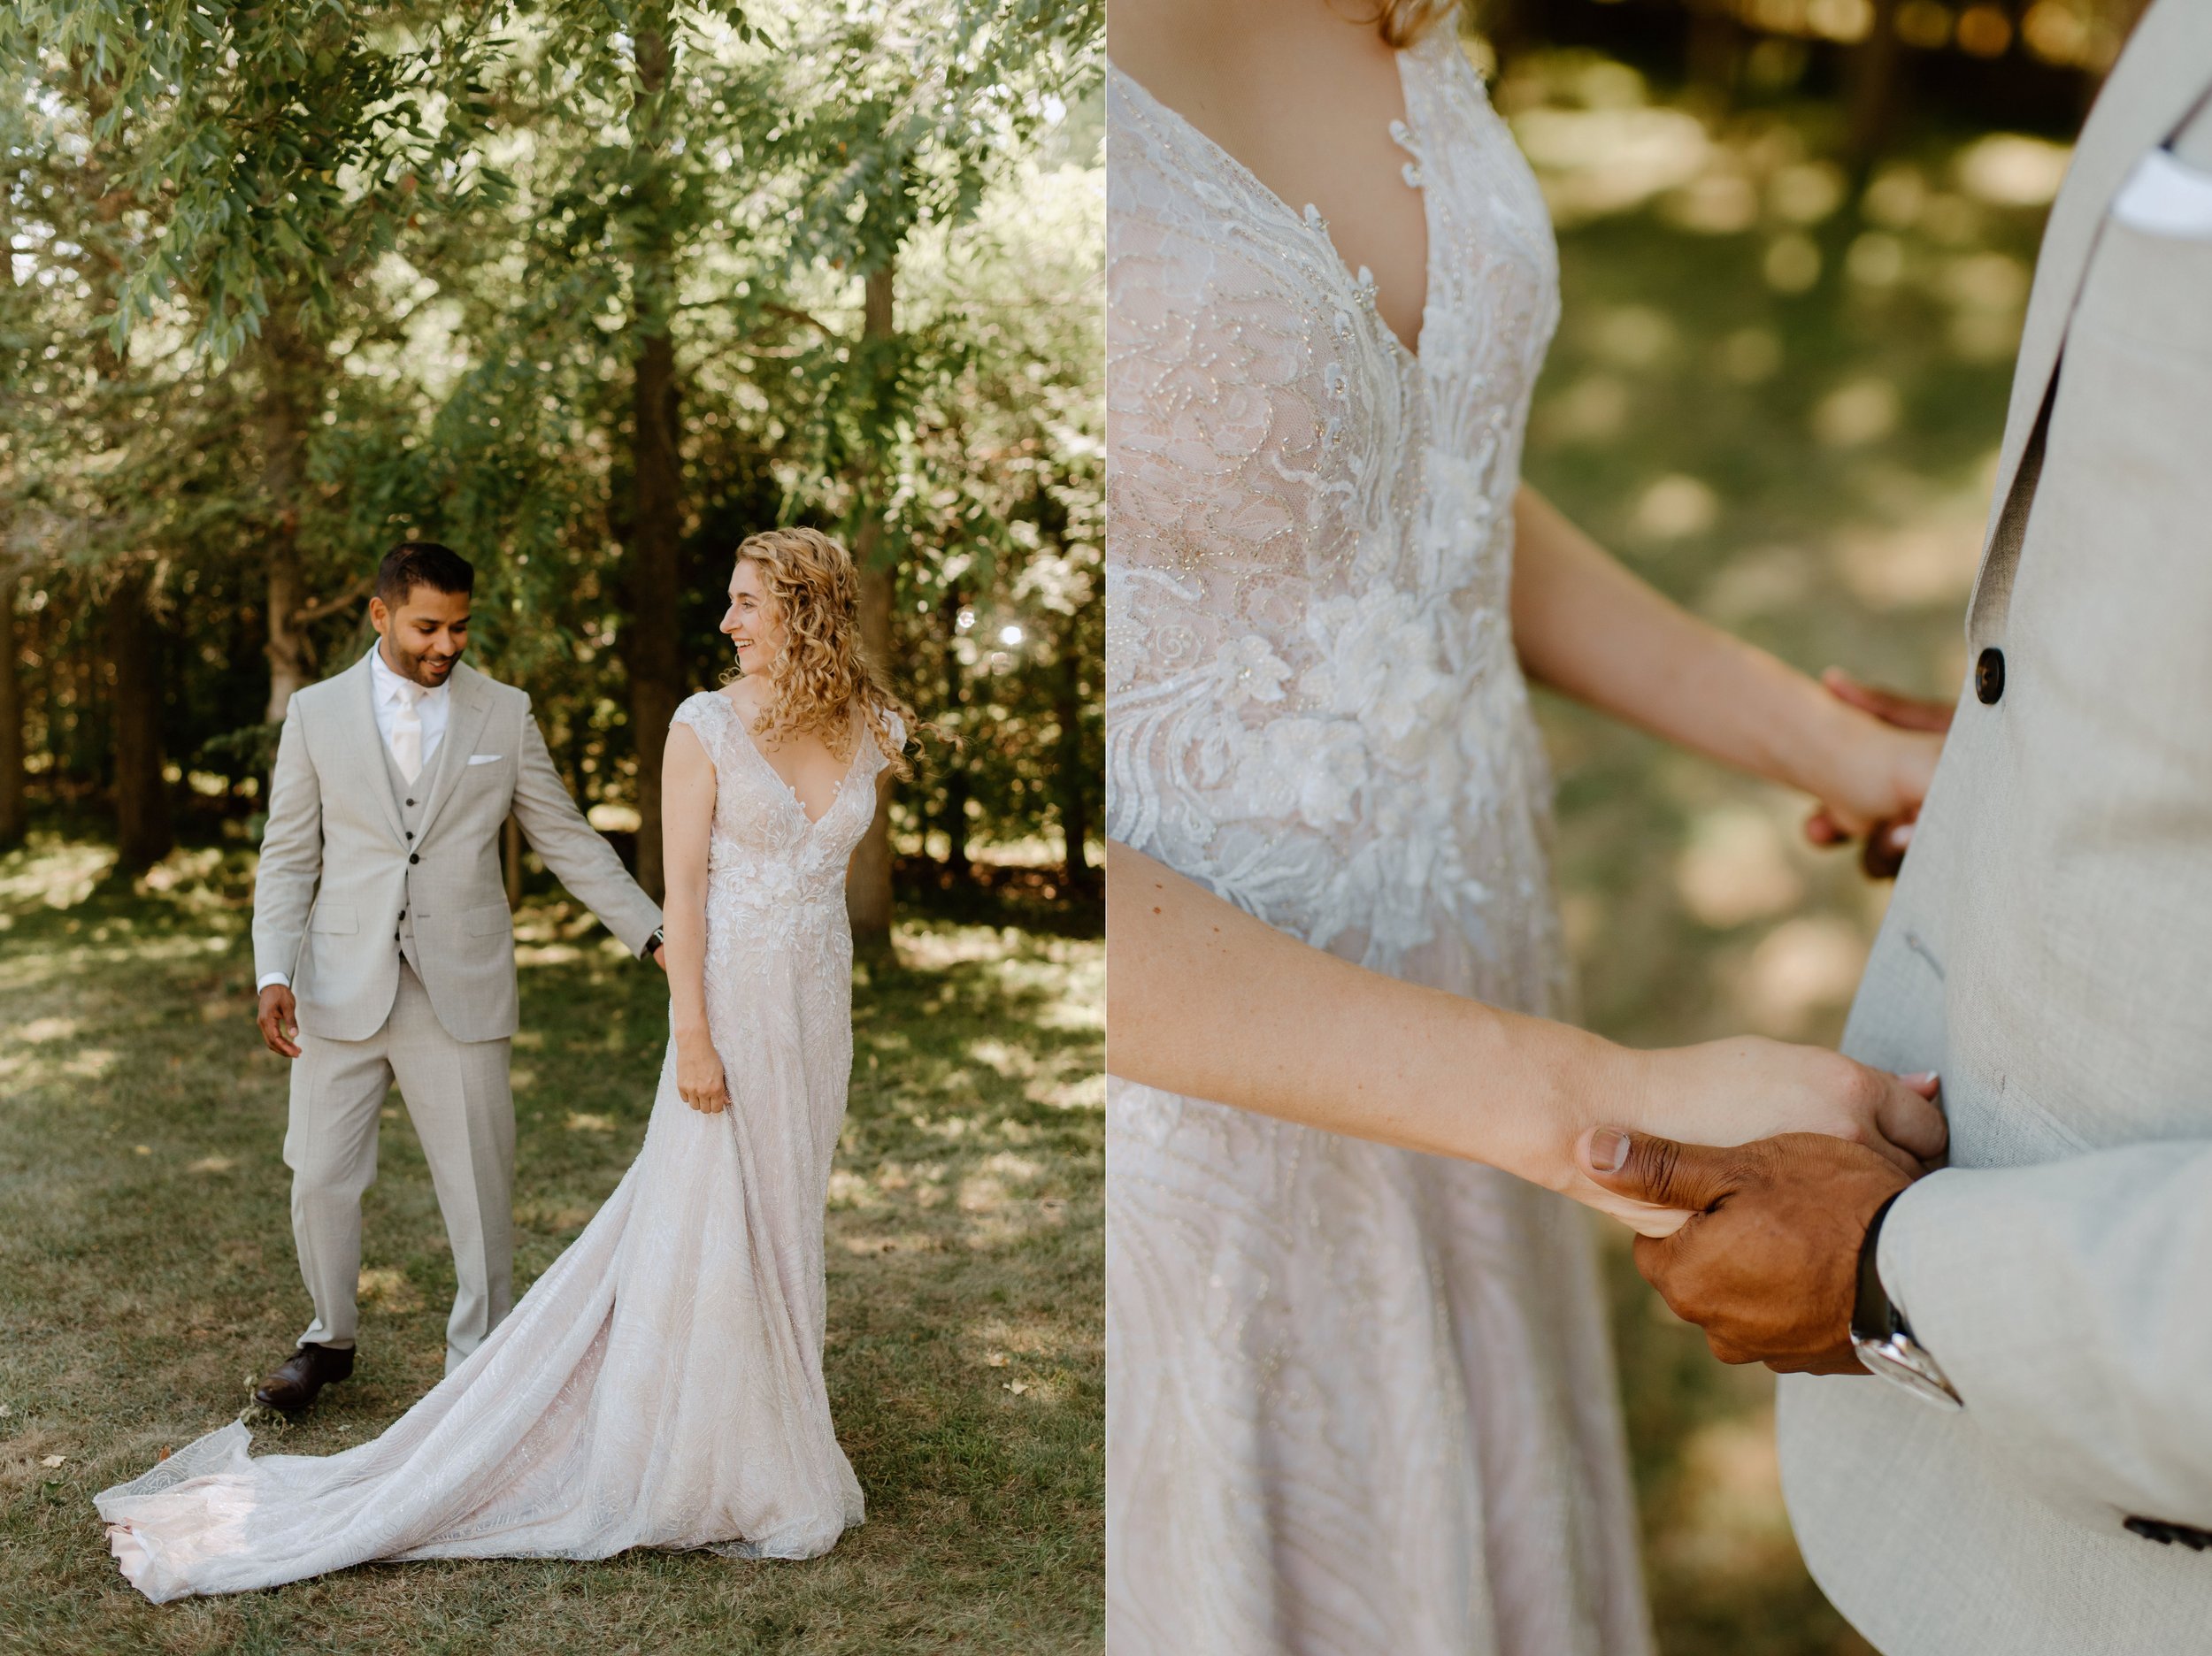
x,y
296,1380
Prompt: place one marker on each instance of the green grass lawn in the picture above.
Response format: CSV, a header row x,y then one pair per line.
x,y
147,1272
1782,406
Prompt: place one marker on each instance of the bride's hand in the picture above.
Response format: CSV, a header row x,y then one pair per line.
x,y
699,1078
1878,774
1732,1091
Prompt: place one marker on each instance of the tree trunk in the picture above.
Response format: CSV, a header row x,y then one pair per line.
x,y
143,831
284,422
652,647
652,643
1714,54
868,878
955,820
1075,811
1505,23
14,804
1872,96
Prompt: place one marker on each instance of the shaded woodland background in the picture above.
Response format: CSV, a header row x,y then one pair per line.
x,y
1796,239
589,289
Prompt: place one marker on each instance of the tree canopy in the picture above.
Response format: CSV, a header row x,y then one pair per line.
x,y
588,290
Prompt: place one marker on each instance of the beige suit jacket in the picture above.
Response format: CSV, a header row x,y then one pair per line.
x,y
2049,950
337,870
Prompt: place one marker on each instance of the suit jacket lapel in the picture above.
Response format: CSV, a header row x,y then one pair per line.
x,y
368,745
465,722
2159,79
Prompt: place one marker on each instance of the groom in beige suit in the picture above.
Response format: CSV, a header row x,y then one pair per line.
x,y
2033,1472
383,942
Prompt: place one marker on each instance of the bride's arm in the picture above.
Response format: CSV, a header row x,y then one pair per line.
x,y
1589,628
1205,1001
686,820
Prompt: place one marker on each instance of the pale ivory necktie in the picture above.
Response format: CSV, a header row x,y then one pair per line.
x,y
407,732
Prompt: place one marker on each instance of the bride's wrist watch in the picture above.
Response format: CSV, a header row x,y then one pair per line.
x,y
1880,1337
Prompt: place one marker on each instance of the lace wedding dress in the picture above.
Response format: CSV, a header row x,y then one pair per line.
x,y
1359,1399
661,1384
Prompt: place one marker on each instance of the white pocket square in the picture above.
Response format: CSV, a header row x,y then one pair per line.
x,y
2166,197
486,758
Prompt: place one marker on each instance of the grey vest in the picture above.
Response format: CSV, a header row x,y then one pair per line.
x,y
410,797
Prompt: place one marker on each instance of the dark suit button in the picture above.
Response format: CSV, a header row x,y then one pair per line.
x,y
413,857
410,833
411,802
1989,676
2166,1534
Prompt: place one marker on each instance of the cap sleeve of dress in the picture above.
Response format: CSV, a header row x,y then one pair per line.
x,y
704,712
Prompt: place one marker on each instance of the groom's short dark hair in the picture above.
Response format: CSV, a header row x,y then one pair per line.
x,y
413,563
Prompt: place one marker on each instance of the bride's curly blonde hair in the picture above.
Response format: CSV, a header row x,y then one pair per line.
x,y
1403,22
820,677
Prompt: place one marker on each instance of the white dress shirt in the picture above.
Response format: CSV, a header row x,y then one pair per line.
x,y
430,706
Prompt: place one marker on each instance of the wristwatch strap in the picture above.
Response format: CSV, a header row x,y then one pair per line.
x,y
1879,1335
1872,1315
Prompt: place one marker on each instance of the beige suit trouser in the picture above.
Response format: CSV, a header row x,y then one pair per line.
x,y
459,1097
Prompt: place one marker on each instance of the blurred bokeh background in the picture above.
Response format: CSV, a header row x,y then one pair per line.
x,y
1796,240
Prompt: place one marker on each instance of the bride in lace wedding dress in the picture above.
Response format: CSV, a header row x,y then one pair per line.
x,y
661,1385
1360,1397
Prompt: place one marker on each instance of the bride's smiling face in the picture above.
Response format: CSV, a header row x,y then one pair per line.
x,y
754,621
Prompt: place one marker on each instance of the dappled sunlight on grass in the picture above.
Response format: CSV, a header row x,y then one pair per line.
x,y
1799,976
1732,1524
2010,170
1736,868
147,1273
384,1289
59,874
1912,567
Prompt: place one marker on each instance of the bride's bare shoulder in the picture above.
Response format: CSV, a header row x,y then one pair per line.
x,y
743,695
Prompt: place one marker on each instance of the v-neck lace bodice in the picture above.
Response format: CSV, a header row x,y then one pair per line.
x,y
836,791
1312,700
1263,199
765,858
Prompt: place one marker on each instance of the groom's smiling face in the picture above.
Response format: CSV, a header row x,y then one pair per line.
x,y
425,635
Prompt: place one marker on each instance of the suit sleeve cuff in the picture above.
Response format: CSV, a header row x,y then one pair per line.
x,y
267,978
2062,1299
1894,1251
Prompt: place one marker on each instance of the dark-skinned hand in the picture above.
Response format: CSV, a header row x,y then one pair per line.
x,y
1768,1265
278,1016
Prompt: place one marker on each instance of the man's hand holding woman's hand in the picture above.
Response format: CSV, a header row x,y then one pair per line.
x,y
1766,1262
1745,1089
